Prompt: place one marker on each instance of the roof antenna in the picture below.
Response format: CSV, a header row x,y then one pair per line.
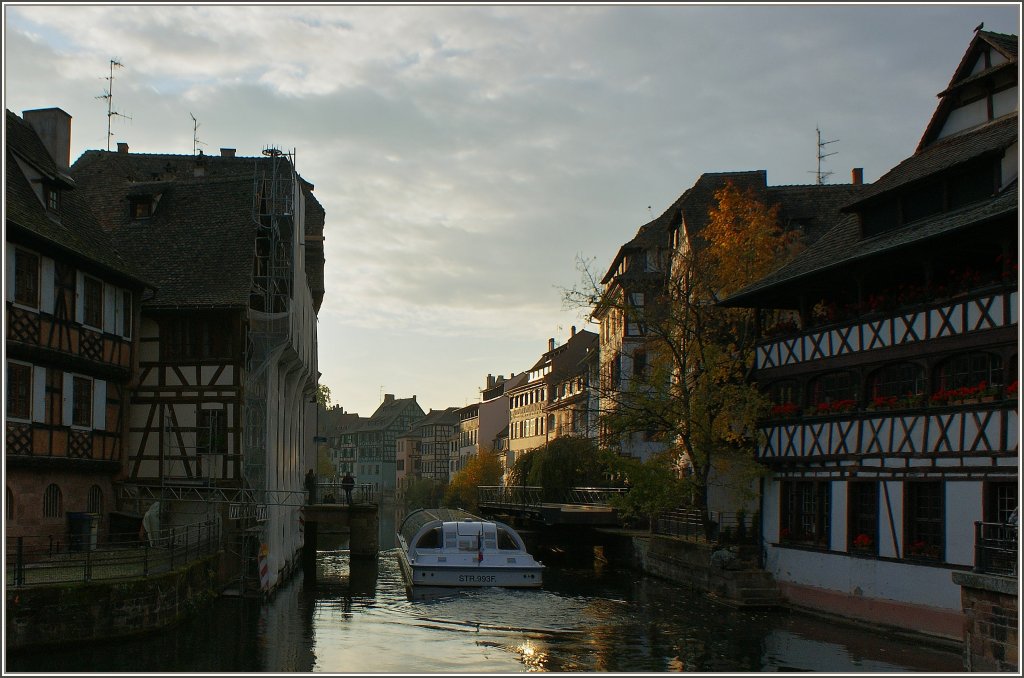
x,y
822,176
108,94
195,138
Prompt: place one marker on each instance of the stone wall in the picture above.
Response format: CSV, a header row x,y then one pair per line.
x,y
990,607
46,615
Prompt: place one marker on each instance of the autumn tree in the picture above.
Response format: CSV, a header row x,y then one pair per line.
x,y
483,468
560,465
693,395
654,485
323,396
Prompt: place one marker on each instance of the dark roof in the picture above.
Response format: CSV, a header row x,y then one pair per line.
x,y
74,229
843,246
956,149
448,416
813,208
198,244
386,413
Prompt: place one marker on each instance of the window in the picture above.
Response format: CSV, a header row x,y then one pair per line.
x,y
211,432
197,338
92,308
81,402
806,512
898,380
833,387
95,501
126,313
26,278
52,197
141,207
53,502
924,520
640,365
19,391
1000,500
9,513
969,369
862,508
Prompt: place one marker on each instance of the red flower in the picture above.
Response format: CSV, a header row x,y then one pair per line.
x,y
862,541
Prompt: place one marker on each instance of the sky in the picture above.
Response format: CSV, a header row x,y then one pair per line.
x,y
469,156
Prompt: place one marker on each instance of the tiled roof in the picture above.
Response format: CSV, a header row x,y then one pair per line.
x,y
944,154
842,246
198,244
76,231
1007,44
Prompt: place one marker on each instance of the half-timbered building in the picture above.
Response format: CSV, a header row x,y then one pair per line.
x,y
223,412
895,418
71,315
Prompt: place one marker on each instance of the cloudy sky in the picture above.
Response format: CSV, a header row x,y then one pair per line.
x,y
468,155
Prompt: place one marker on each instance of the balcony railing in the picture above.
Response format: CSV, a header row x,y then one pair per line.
x,y
995,548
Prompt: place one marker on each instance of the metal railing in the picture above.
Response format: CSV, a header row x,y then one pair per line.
x,y
597,496
62,559
995,548
331,491
727,527
510,495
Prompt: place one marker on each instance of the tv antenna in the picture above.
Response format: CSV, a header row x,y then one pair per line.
x,y
108,94
822,176
195,135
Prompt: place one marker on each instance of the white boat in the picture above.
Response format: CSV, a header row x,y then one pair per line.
x,y
450,547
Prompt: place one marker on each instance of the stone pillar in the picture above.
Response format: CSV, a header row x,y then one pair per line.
x,y
990,621
364,529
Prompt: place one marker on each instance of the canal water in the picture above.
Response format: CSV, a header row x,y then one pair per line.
x,y
357,617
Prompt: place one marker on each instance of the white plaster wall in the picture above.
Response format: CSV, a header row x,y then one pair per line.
x,y
1004,102
901,582
965,117
963,508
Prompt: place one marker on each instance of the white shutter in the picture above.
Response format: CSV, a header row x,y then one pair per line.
x,y
79,296
10,271
67,399
109,319
99,404
39,393
47,299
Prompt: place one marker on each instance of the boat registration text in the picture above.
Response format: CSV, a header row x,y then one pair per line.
x,y
476,578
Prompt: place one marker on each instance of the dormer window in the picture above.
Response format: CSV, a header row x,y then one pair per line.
x,y
51,196
141,206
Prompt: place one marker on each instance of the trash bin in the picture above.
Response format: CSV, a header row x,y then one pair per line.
x,y
79,530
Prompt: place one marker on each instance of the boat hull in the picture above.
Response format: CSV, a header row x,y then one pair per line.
x,y
470,576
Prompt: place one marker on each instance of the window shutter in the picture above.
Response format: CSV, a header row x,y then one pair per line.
x,y
79,296
10,271
109,304
67,399
47,294
99,404
39,393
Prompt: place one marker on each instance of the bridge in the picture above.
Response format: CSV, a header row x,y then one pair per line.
x,y
583,506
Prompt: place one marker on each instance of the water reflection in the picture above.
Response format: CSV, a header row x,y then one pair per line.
x,y
357,617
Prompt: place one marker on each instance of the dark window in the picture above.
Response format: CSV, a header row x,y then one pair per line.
x,y
19,391
1000,501
970,369
806,512
26,278
834,388
10,504
197,338
126,314
640,365
95,500
880,218
52,196
53,502
211,432
862,509
897,380
430,540
977,183
92,308
924,520
923,202
81,408
506,542
141,207
786,391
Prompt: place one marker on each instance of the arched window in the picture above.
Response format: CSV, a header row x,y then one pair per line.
x,y
53,502
784,391
95,502
969,369
833,387
897,380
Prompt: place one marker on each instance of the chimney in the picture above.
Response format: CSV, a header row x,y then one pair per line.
x,y
490,381
857,176
551,344
389,398
122,147
572,331
227,152
54,129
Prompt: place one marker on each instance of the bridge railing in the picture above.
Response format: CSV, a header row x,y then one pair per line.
x,y
510,495
995,548
331,491
595,496
730,527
